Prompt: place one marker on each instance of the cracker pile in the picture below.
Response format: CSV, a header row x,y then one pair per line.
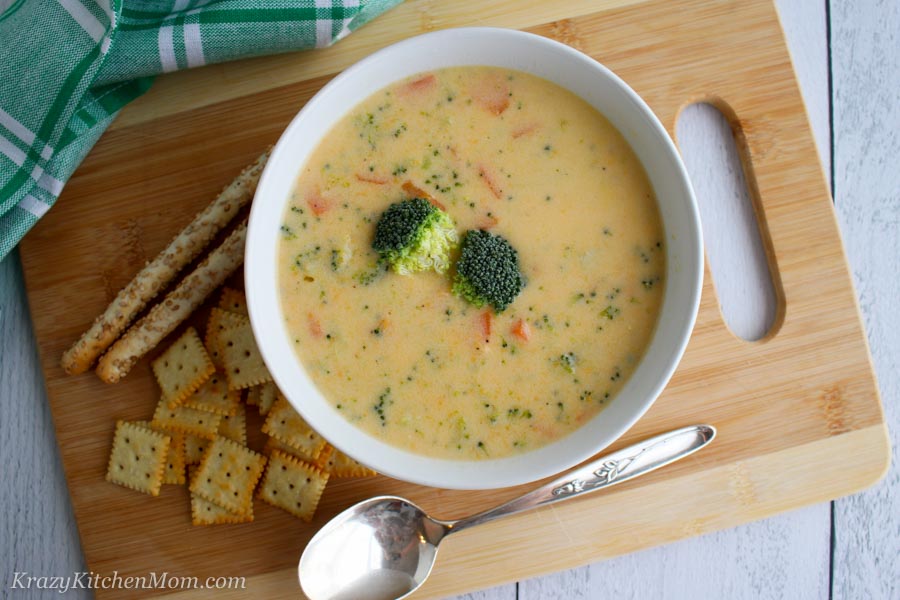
x,y
200,425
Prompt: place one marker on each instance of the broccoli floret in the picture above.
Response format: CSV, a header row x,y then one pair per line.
x,y
487,271
414,235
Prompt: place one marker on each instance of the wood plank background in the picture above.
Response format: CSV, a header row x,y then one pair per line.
x,y
867,135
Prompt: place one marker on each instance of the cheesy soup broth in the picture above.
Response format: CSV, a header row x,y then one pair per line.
x,y
405,359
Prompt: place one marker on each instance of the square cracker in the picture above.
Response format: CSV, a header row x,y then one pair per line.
x,y
284,423
220,320
186,420
214,396
341,465
204,512
227,475
268,393
293,485
194,449
182,368
233,301
240,356
174,473
234,427
175,464
321,461
252,395
138,458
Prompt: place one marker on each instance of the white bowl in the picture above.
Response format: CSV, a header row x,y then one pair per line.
x,y
568,68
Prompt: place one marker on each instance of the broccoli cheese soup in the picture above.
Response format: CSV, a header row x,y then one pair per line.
x,y
416,365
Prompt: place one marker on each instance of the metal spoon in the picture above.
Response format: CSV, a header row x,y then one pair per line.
x,y
383,548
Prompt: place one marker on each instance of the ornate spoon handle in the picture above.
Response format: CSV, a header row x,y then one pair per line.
x,y
635,460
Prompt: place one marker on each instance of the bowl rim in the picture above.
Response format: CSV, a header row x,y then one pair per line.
x,y
385,458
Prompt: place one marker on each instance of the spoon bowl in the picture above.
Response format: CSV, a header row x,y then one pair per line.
x,y
384,548
380,548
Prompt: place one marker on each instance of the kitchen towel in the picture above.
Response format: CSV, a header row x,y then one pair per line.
x,y
68,66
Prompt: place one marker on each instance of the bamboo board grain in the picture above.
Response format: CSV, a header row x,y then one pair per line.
x,y
798,412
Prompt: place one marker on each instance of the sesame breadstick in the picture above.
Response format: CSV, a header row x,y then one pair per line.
x,y
184,248
190,293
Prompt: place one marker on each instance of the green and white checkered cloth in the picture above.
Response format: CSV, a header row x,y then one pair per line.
x,y
68,66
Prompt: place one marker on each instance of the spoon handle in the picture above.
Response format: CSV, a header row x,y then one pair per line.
x,y
622,465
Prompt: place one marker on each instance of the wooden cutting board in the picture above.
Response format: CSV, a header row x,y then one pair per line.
x,y
798,412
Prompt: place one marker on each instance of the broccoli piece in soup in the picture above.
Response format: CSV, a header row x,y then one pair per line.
x,y
487,271
414,235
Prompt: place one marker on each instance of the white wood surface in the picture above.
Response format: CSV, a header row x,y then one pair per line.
x,y
865,63
847,549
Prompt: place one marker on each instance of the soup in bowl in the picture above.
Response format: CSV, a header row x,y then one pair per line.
x,y
507,136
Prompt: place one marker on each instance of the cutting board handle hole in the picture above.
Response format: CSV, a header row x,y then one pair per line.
x,y
734,232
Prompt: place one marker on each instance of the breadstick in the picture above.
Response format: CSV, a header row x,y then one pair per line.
x,y
144,335
157,274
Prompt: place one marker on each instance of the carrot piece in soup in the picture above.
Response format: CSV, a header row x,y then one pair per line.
x,y
318,204
488,222
522,330
315,327
492,94
414,191
382,326
371,178
524,130
486,322
420,84
582,416
488,178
